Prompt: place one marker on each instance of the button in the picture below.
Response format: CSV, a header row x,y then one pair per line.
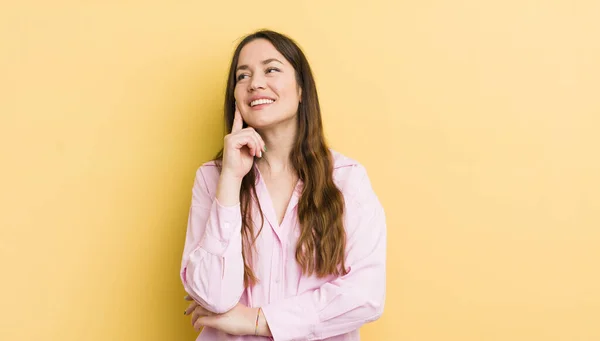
x,y
226,226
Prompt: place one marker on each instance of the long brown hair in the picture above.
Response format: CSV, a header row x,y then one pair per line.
x,y
322,242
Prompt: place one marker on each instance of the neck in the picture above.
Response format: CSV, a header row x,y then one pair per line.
x,y
279,141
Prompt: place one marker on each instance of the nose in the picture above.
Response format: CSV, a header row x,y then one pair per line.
x,y
257,82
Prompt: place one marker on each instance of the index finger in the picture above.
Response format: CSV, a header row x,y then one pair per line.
x,y
191,307
238,122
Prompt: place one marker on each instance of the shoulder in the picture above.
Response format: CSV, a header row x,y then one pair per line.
x,y
207,176
346,169
363,210
350,176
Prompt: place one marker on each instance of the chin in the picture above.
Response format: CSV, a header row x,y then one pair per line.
x,y
262,124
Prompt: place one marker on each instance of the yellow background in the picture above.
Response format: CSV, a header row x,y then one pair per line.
x,y
477,121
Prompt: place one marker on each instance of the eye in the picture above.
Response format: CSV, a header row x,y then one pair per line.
x,y
241,76
273,69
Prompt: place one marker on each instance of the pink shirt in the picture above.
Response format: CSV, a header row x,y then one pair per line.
x,y
296,307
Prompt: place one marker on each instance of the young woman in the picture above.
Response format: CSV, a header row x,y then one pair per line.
x,y
286,238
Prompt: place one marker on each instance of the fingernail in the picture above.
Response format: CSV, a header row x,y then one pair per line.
x,y
184,312
265,148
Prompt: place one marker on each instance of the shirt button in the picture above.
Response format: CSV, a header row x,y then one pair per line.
x,y
226,226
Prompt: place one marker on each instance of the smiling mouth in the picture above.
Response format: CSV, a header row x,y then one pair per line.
x,y
261,101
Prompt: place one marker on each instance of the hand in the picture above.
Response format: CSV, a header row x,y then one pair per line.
x,y
190,309
238,321
240,148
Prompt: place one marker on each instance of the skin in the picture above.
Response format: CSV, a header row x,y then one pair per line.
x,y
262,72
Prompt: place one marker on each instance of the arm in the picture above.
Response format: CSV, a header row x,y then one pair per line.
x,y
212,269
349,301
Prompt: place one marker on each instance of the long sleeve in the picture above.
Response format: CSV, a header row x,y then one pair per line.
x,y
212,268
344,304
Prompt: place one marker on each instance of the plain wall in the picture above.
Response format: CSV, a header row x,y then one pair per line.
x,y
477,121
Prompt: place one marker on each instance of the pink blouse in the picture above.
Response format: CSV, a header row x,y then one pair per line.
x,y
296,307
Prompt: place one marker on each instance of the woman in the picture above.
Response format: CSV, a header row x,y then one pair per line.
x,y
286,238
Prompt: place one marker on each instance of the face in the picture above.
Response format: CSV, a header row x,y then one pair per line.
x,y
266,91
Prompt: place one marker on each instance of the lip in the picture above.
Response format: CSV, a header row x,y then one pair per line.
x,y
254,98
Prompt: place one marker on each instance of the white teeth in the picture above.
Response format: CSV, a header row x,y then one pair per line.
x,y
261,101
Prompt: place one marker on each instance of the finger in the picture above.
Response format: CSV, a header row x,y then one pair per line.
x,y
188,298
248,141
207,321
238,122
190,308
262,143
258,143
200,312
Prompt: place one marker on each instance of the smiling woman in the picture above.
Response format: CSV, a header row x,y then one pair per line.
x,y
286,238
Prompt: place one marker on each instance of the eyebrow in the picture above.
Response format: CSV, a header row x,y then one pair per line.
x,y
264,62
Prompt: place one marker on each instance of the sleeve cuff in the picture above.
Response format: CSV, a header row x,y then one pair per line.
x,y
225,222
289,321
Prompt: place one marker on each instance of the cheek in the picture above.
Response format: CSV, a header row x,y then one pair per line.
x,y
238,94
286,90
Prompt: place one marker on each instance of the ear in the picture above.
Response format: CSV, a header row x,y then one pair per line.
x,y
300,94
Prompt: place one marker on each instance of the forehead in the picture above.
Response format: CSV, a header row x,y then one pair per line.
x,y
257,51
